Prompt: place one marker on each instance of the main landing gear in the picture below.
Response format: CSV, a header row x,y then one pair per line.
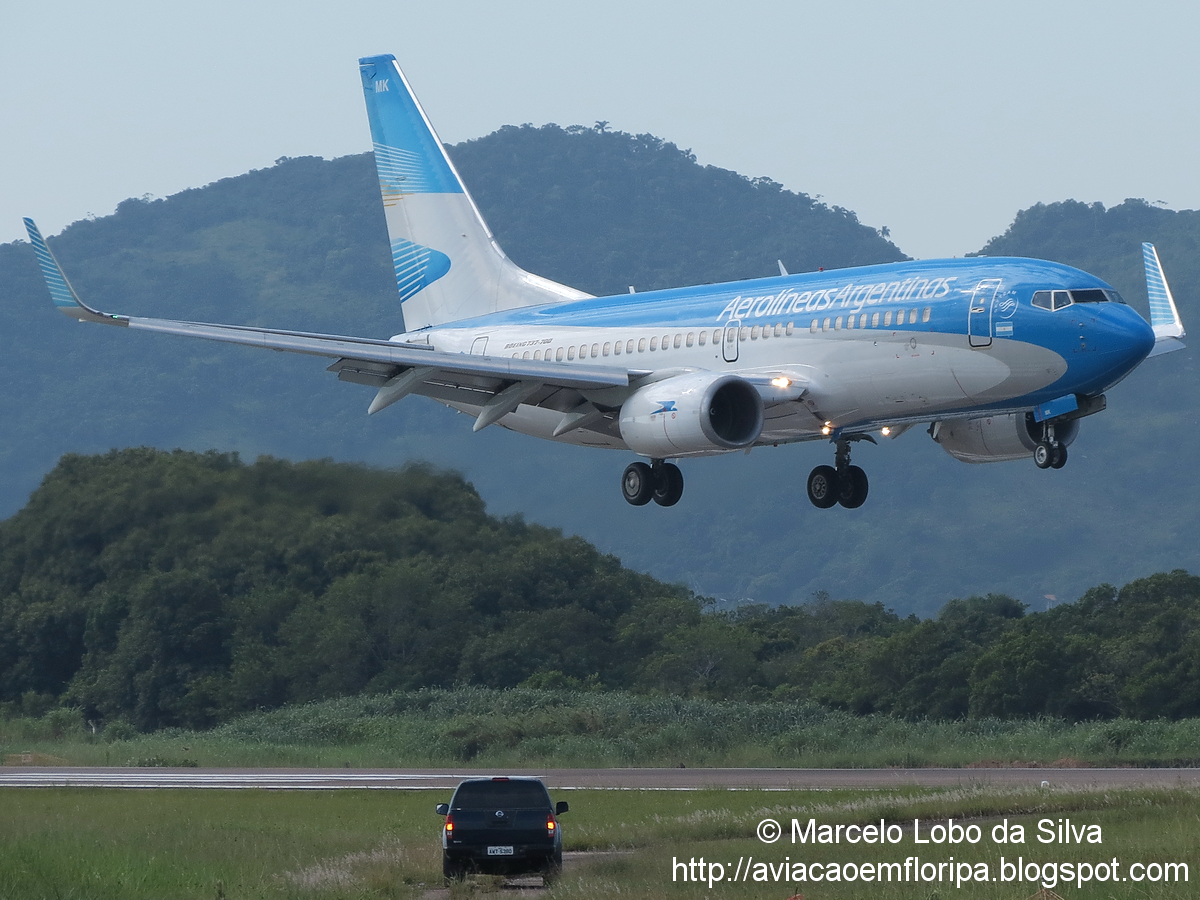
x,y
840,483
1049,452
660,481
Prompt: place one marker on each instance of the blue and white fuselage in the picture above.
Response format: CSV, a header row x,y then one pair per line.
x,y
1002,357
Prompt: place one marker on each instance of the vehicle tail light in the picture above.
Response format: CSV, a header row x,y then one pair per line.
x,y
551,825
450,826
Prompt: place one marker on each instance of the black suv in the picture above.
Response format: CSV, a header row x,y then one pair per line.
x,y
501,826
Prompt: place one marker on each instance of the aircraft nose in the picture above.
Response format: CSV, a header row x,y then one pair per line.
x,y
1130,338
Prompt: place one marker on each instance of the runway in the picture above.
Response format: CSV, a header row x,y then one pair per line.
x,y
584,779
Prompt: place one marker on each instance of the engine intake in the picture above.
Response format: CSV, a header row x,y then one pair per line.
x,y
702,412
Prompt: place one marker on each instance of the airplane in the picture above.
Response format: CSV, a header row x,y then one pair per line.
x,y
1000,357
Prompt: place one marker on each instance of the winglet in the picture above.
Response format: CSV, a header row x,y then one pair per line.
x,y
1164,315
61,292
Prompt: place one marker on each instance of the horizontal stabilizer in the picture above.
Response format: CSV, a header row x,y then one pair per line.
x,y
1164,314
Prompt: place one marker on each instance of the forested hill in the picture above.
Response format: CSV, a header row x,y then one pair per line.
x,y
302,245
603,210
185,589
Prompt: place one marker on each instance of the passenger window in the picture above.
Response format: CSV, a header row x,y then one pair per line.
x,y
766,332
703,335
813,327
525,355
595,350
825,325
912,317
849,321
1061,299
654,343
691,338
874,320
862,321
745,333
617,348
837,324
926,313
606,348
678,340
1042,299
629,346
666,341
754,333
558,354
778,330
789,329
642,345
570,353
887,319
730,335
583,351
537,354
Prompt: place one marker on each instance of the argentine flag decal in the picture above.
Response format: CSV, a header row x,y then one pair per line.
x,y
416,266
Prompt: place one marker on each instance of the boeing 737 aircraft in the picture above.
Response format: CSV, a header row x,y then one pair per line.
x,y
1000,358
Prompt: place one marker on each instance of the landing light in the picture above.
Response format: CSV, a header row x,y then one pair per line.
x,y
885,430
827,428
781,382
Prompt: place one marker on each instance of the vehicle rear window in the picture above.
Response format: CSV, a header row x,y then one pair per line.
x,y
501,795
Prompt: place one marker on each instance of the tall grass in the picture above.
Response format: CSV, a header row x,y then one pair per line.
x,y
564,728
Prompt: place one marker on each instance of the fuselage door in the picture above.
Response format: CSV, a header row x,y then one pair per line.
x,y
729,342
479,346
979,319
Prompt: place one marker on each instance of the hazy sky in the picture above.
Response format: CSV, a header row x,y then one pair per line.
x,y
937,119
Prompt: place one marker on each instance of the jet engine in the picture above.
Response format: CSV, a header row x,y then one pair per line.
x,y
695,413
997,438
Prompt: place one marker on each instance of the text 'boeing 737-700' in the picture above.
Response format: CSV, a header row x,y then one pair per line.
x,y
999,358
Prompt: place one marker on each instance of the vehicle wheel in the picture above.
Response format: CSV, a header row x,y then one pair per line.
x,y
823,486
852,487
453,870
1060,457
1043,454
637,484
552,871
668,486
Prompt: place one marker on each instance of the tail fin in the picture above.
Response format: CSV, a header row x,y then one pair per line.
x,y
1164,315
448,265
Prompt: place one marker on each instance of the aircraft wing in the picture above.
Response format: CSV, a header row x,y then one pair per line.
x,y
497,384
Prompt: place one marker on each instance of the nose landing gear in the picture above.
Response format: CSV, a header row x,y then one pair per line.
x,y
841,483
1049,452
661,482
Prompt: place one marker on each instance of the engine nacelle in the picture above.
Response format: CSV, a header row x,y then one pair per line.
x,y
694,413
997,438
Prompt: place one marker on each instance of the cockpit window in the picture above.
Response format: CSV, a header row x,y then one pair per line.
x,y
1115,297
1092,296
1061,299
1042,299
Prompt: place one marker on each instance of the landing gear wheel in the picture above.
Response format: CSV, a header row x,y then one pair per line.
x,y
637,484
823,486
1043,455
668,485
1060,457
852,487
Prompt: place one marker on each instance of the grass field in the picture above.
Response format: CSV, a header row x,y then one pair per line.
x,y
149,845
524,728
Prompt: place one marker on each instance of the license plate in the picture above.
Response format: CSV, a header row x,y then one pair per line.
x,y
500,851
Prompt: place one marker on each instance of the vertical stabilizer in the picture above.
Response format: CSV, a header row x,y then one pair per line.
x,y
448,265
